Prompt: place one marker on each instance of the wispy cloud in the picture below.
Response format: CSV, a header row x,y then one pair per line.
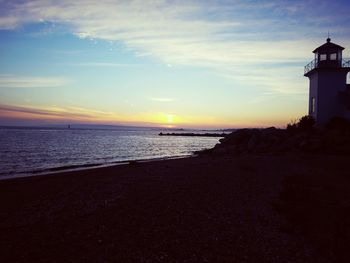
x,y
103,64
56,112
162,99
48,112
228,37
83,115
184,32
13,81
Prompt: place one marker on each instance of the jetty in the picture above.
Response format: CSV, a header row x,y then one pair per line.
x,y
194,134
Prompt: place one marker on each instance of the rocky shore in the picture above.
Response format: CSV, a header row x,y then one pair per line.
x,y
316,202
273,140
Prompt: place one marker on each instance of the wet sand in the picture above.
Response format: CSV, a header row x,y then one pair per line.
x,y
200,209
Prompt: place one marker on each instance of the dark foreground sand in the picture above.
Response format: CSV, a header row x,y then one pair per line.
x,y
204,209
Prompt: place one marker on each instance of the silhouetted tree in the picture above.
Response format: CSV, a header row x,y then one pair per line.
x,y
292,126
306,122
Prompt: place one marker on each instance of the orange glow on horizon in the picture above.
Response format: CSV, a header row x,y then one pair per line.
x,y
89,116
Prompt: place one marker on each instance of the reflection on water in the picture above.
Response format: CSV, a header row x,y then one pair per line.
x,y
31,150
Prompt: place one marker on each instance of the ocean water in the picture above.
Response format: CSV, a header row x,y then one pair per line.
x,y
30,151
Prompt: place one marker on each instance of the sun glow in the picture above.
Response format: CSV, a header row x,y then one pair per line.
x,y
74,114
170,119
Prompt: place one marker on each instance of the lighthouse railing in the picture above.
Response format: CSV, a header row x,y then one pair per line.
x,y
313,64
346,63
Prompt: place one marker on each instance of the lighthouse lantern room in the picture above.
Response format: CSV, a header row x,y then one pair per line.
x,y
329,94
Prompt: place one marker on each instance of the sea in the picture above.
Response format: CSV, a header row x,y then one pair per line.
x,y
28,151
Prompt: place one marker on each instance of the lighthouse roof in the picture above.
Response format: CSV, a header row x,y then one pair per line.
x,y
328,46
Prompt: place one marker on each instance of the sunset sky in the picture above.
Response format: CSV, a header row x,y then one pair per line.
x,y
201,64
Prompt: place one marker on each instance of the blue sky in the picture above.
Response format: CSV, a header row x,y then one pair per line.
x,y
169,63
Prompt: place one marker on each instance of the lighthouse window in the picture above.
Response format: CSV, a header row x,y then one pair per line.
x,y
313,105
333,56
323,57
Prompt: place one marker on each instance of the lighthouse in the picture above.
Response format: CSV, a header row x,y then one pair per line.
x,y
329,94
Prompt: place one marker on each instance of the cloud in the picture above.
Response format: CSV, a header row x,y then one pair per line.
x,y
73,114
286,80
227,37
103,64
48,112
12,81
59,113
177,32
162,99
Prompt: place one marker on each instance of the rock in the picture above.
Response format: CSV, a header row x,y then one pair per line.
x,y
253,141
273,140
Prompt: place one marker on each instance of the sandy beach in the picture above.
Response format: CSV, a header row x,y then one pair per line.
x,y
200,209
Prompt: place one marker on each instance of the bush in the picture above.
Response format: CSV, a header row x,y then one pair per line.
x,y
303,124
306,123
292,126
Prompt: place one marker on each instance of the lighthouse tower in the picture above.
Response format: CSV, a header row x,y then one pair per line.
x,y
329,95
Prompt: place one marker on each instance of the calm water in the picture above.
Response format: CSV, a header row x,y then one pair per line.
x,y
25,151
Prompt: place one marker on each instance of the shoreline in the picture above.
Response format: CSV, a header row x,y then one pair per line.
x,y
83,167
66,150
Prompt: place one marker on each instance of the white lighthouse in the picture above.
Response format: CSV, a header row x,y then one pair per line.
x,y
329,94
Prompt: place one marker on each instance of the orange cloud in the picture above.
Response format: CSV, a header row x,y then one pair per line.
x,y
72,114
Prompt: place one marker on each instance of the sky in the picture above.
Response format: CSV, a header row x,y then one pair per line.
x,y
185,64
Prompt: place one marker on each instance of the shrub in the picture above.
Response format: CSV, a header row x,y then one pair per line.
x,y
304,123
292,126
